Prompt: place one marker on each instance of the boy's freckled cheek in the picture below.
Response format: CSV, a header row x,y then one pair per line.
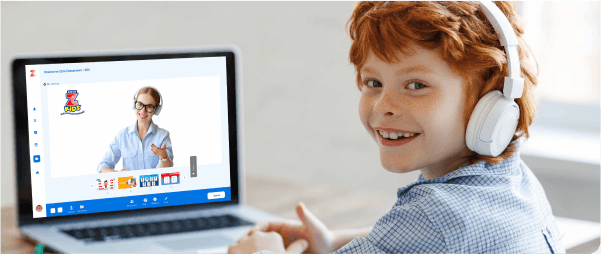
x,y
424,110
447,119
365,111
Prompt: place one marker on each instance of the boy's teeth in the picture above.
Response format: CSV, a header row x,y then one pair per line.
x,y
384,134
393,136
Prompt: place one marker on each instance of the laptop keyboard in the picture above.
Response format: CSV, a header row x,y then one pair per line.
x,y
155,228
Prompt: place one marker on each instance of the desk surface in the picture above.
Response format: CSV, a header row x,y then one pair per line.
x,y
336,207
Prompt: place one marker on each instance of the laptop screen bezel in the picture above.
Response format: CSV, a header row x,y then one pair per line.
x,y
22,162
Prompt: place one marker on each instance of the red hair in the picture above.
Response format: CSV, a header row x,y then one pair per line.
x,y
461,35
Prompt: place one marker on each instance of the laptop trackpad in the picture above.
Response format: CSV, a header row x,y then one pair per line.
x,y
196,243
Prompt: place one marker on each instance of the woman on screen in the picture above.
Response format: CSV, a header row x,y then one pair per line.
x,y
143,145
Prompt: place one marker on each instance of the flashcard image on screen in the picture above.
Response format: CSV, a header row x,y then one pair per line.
x,y
170,178
105,184
149,180
127,182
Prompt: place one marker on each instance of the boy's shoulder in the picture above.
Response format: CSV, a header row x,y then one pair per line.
x,y
475,189
471,179
498,202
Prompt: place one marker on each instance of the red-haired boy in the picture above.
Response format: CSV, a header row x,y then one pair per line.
x,y
421,68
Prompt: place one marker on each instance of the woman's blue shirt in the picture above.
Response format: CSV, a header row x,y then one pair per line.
x,y
136,154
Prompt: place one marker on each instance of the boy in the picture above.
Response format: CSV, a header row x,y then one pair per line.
x,y
421,69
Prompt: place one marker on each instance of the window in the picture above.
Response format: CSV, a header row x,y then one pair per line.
x,y
564,37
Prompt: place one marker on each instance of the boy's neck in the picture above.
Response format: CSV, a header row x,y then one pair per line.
x,y
444,167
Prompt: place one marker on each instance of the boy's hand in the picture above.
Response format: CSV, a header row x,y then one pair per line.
x,y
320,238
271,241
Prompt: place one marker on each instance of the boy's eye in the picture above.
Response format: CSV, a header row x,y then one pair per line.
x,y
416,85
374,83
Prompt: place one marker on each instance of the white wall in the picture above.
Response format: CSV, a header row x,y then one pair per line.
x,y
299,88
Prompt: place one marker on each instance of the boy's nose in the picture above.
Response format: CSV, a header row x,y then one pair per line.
x,y
387,105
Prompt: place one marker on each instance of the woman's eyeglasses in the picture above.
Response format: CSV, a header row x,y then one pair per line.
x,y
149,108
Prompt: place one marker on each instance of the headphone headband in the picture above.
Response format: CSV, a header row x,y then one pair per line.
x,y
514,84
494,120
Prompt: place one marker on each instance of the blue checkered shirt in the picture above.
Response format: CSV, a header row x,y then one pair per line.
x,y
480,208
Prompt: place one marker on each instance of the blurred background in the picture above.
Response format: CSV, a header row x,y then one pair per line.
x,y
300,95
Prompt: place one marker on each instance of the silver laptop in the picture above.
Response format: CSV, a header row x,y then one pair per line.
x,y
90,181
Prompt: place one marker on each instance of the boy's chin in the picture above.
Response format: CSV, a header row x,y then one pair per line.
x,y
396,167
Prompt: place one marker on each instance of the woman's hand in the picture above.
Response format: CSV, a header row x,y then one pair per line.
x,y
271,241
320,238
108,170
161,152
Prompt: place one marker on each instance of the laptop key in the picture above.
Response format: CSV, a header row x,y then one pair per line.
x,y
106,232
153,229
188,225
126,234
201,223
176,226
223,222
78,234
114,231
164,227
127,228
98,238
212,222
89,233
140,230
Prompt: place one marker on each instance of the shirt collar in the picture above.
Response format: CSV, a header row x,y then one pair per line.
x,y
134,128
480,168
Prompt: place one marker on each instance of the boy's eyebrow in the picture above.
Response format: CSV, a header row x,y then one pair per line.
x,y
415,68
367,69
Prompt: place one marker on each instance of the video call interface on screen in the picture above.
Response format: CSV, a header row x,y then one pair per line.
x,y
99,141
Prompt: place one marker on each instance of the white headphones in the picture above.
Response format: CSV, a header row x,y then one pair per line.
x,y
157,110
495,118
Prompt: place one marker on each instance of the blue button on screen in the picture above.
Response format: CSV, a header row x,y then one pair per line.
x,y
36,158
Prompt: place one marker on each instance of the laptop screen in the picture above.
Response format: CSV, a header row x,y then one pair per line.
x,y
121,135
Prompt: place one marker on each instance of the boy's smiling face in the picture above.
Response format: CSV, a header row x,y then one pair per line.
x,y
419,95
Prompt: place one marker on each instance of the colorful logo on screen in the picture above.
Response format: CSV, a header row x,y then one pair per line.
x,y
72,107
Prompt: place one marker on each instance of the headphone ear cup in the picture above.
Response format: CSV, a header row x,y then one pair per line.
x,y
134,100
492,124
158,110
